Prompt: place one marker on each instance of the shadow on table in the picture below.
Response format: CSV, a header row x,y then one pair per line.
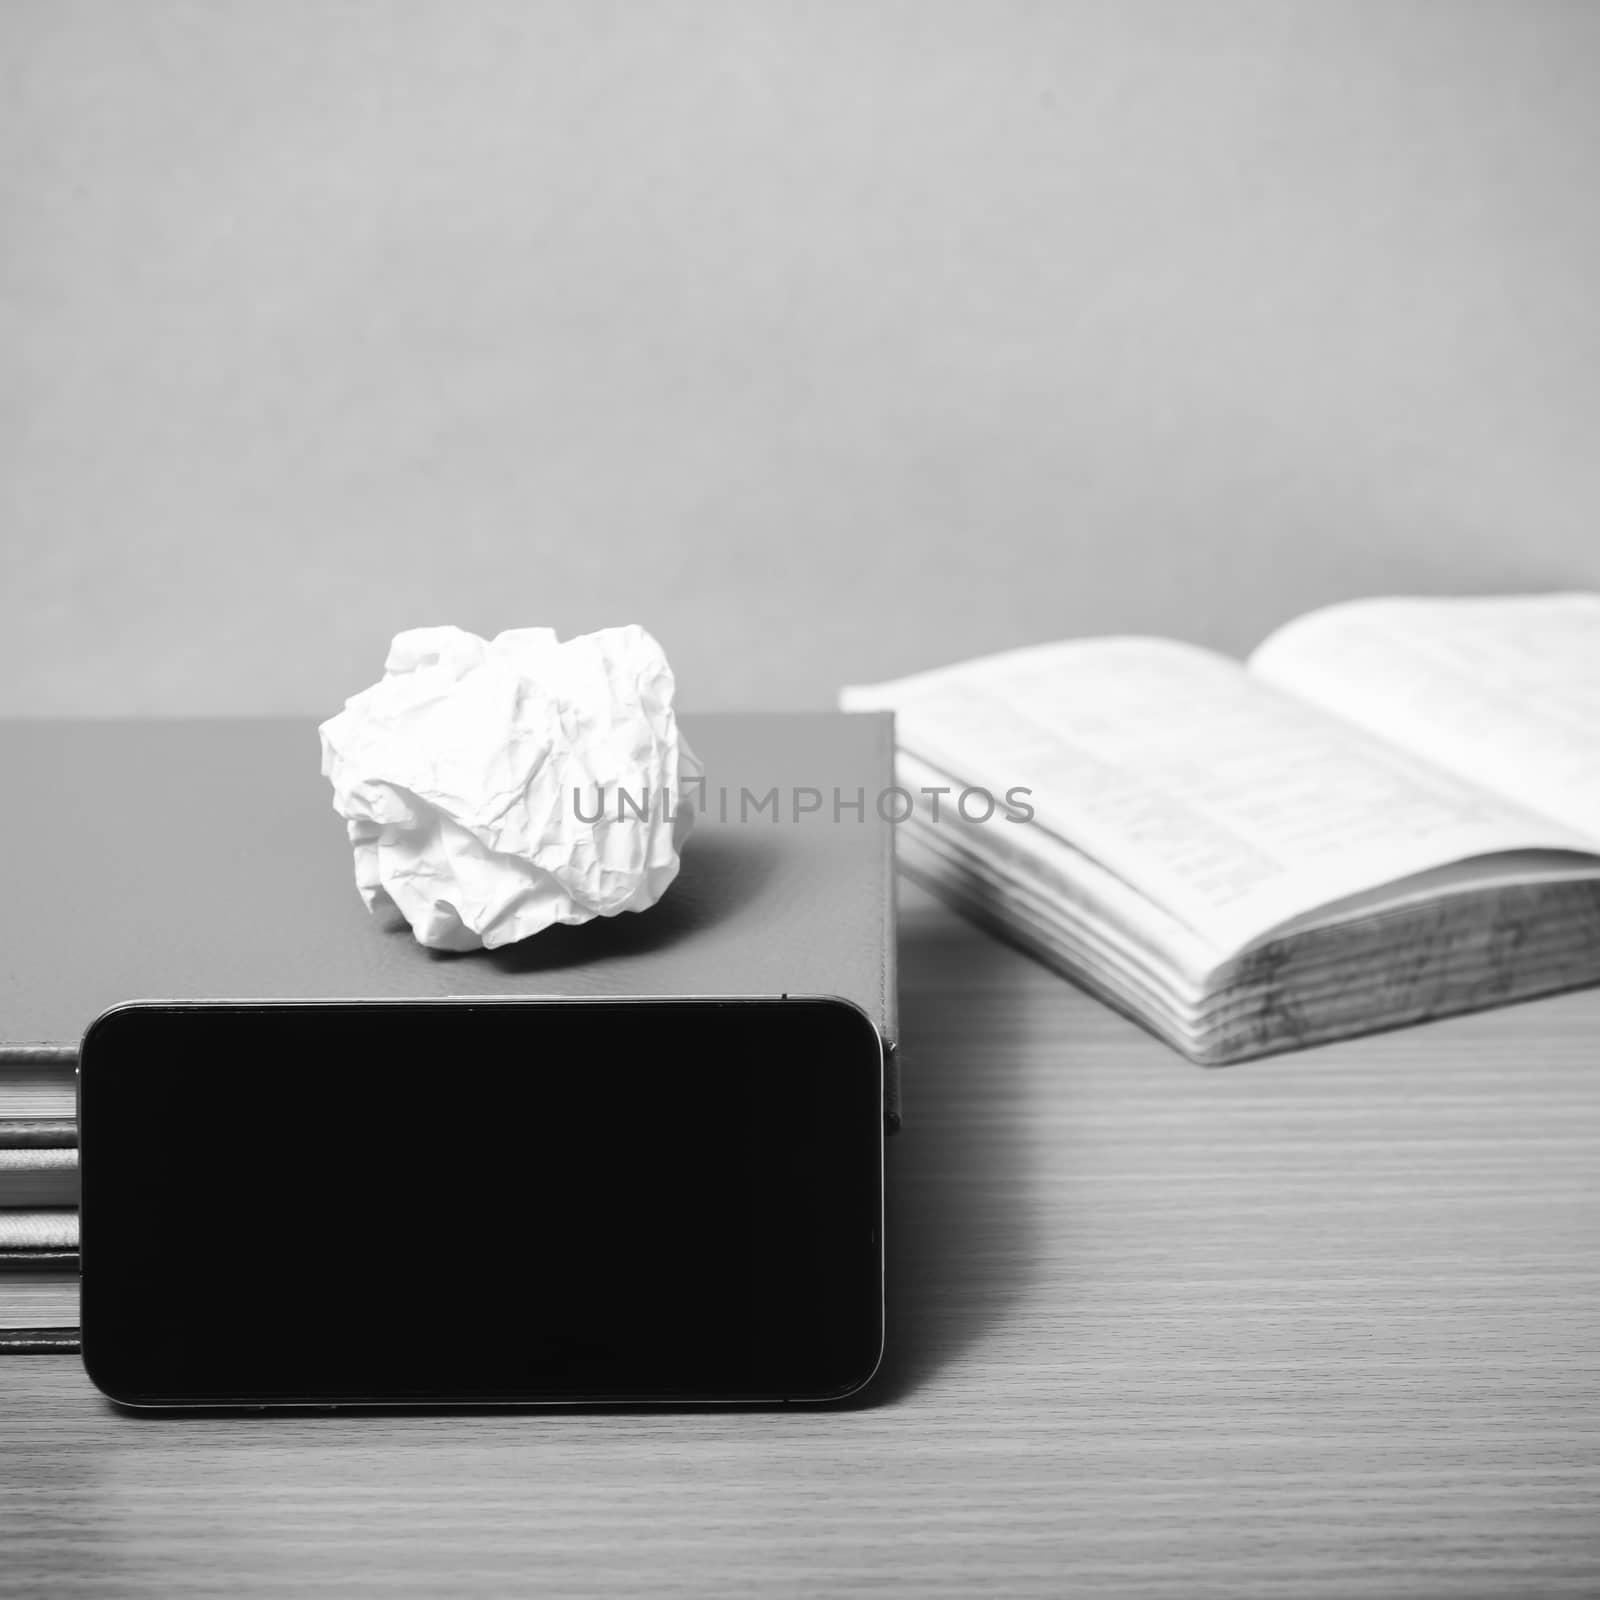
x,y
960,1236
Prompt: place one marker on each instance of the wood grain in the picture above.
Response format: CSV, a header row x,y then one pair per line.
x,y
1322,1324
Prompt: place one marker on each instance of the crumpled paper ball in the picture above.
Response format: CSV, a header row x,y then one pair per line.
x,y
471,776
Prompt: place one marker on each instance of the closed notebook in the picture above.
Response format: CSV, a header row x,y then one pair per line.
x,y
37,1096
33,1176
32,1239
39,1311
203,860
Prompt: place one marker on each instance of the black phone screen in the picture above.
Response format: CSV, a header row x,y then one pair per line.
x,y
481,1201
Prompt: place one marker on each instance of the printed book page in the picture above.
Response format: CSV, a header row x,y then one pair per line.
x,y
1227,802
1503,692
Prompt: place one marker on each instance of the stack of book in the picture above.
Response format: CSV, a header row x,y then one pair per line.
x,y
1390,813
203,860
38,1201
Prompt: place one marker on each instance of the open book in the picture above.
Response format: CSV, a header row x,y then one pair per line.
x,y
1391,812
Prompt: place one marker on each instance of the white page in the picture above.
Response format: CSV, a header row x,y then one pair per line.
x,y
1505,692
1224,801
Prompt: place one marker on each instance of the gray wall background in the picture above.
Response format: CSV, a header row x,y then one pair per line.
x,y
828,341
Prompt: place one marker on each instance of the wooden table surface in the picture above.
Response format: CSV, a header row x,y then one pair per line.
x,y
1326,1324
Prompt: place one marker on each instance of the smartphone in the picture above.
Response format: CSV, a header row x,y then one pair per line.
x,y
462,1202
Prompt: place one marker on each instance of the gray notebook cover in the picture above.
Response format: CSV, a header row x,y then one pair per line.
x,y
203,860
